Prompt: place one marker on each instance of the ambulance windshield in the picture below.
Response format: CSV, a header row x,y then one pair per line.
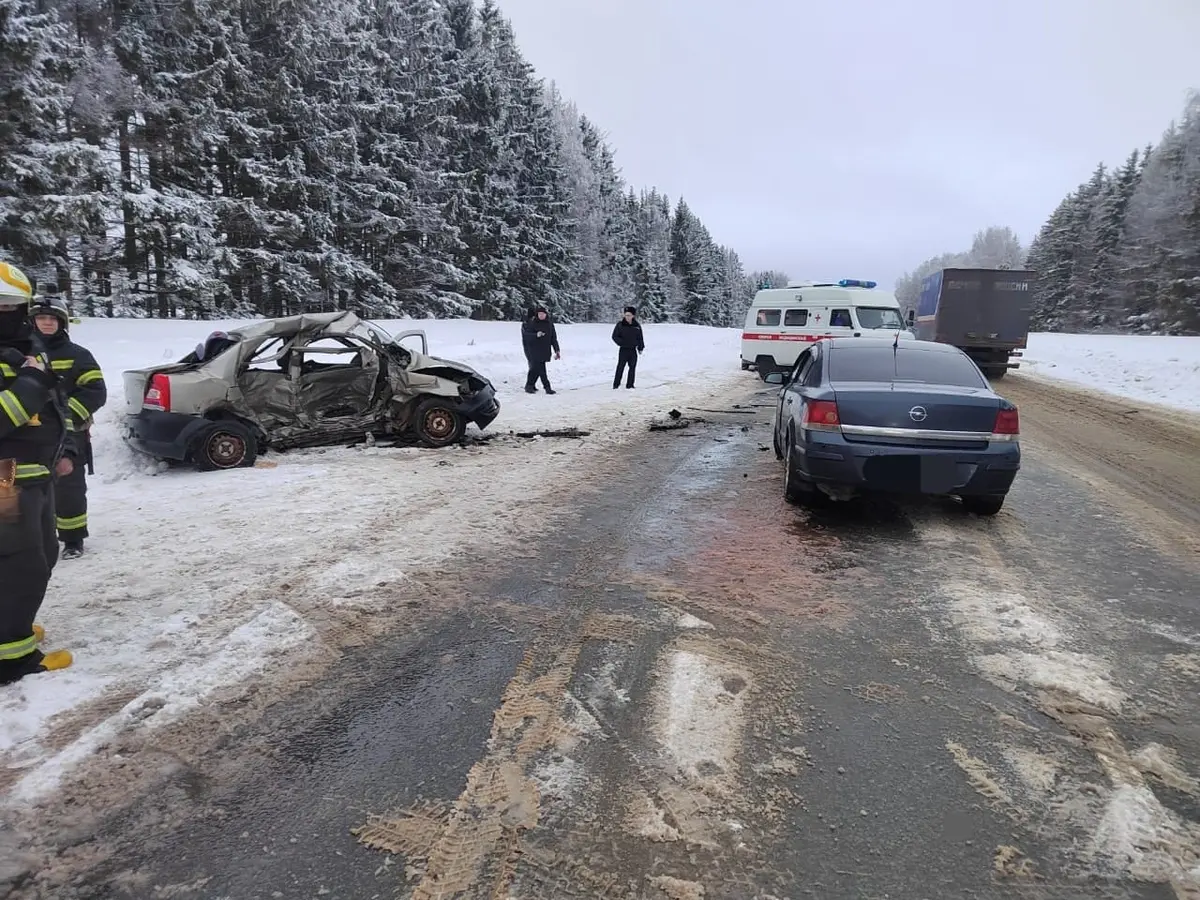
x,y
879,317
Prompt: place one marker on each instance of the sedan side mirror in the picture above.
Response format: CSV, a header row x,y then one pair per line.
x,y
774,378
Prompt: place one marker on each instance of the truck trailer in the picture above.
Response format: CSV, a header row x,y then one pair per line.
x,y
983,312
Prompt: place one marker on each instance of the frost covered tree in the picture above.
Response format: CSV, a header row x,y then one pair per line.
x,y
395,157
52,185
996,248
1121,252
991,248
654,284
767,279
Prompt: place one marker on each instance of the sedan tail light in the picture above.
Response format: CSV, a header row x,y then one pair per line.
x,y
158,394
1008,424
822,415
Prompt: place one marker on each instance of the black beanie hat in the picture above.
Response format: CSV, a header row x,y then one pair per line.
x,y
631,309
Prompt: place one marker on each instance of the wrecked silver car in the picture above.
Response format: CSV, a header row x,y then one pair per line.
x,y
300,381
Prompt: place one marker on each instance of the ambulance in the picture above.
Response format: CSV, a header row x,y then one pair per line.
x,y
781,322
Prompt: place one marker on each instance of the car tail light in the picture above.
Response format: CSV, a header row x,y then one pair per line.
x,y
822,415
158,395
1008,424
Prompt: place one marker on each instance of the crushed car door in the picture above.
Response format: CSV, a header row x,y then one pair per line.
x,y
268,394
338,384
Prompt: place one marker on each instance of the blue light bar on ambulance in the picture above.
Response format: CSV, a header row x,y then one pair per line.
x,y
854,282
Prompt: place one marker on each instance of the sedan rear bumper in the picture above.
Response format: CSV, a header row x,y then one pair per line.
x,y
828,458
163,435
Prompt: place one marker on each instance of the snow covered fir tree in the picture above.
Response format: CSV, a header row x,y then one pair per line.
x,y
1120,253
228,158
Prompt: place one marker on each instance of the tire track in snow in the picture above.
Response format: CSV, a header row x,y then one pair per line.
x,y
477,839
677,781
1143,456
1022,643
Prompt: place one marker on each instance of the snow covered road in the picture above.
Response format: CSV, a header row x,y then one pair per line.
x,y
684,688
197,586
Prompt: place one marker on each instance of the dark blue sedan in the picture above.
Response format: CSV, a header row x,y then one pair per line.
x,y
859,415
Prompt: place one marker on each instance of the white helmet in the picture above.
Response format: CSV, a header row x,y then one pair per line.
x,y
15,289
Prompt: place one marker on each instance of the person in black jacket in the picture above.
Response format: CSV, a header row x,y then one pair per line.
x,y
539,339
82,386
627,335
35,446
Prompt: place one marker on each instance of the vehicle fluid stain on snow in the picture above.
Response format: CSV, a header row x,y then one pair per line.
x,y
738,569
699,715
246,651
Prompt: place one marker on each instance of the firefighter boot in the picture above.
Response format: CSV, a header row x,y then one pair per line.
x,y
55,660
13,670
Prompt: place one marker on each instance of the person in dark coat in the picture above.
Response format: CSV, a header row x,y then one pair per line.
x,y
627,335
539,340
82,386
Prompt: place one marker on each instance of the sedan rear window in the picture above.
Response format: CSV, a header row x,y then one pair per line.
x,y
885,364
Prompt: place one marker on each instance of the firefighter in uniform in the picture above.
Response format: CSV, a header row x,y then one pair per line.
x,y
82,387
34,445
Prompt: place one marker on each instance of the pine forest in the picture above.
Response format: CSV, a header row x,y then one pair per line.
x,y
231,158
1120,253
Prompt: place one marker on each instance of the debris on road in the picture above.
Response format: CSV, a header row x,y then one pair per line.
x,y
674,421
572,433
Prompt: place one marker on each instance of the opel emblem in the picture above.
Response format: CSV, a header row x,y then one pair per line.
x,y
917,414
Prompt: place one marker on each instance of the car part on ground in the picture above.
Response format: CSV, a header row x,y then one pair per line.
x,y
300,381
862,415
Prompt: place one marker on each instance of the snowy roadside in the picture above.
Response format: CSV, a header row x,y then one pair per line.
x,y
1149,368
195,582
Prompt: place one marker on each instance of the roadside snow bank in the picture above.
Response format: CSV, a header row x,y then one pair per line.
x,y
194,581
1150,368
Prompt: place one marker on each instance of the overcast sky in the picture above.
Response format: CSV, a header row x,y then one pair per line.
x,y
855,138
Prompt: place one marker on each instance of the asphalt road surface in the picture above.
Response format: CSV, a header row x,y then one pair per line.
x,y
697,691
